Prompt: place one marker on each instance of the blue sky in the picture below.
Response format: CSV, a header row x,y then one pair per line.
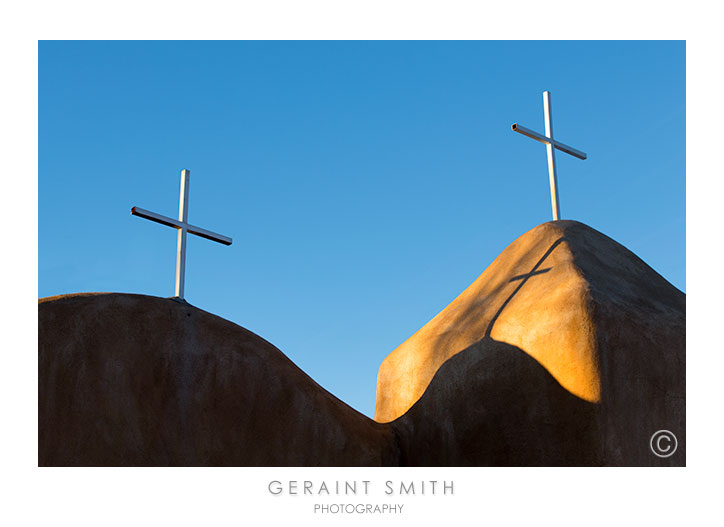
x,y
365,184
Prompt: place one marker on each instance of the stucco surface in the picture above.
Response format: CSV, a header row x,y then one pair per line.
x,y
596,321
140,380
567,350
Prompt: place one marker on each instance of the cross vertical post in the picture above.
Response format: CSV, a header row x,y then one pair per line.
x,y
183,218
551,151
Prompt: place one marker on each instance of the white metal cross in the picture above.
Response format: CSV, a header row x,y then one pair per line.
x,y
183,227
551,145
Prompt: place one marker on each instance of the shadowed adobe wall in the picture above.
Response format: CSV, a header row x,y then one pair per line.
x,y
567,350
605,326
140,380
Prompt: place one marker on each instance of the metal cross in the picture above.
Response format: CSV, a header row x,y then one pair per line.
x,y
183,227
551,145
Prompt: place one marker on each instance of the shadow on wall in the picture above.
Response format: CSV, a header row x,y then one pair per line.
x,y
471,316
523,279
494,405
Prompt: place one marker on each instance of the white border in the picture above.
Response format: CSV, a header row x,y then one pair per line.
x,y
239,496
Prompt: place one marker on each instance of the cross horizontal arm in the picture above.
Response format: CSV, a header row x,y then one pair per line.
x,y
158,218
548,141
209,235
170,222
